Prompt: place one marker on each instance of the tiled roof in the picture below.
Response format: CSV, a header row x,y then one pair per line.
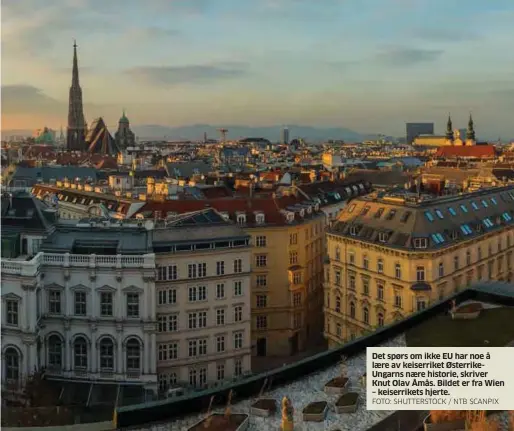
x,y
470,151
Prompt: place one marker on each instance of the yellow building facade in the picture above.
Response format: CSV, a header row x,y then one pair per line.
x,y
286,285
391,256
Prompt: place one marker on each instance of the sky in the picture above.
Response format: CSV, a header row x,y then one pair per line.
x,y
368,65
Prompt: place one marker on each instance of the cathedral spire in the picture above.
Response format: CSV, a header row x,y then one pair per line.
x,y
75,73
449,128
76,130
470,133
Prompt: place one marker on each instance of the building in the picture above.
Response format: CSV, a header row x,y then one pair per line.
x,y
99,140
203,300
395,254
76,130
124,137
415,129
284,138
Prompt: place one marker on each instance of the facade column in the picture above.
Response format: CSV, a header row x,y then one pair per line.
x,y
153,354
146,353
68,346
94,352
119,354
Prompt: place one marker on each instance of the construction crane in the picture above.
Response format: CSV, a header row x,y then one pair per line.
x,y
223,133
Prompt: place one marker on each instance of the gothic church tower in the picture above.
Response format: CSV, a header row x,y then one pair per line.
x,y
76,130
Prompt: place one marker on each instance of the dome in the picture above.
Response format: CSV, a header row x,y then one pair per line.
x,y
124,118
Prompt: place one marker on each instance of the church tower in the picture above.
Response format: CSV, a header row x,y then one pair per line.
x,y
124,136
470,132
449,131
76,130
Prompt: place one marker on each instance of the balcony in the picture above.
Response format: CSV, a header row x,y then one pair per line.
x,y
29,268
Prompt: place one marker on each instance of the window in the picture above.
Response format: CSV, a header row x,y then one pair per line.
x,y
132,305
488,223
337,277
133,349
380,266
468,257
338,304
262,301
12,313
106,355
405,216
168,296
452,211
54,302
220,316
220,343
338,329
297,278
397,299
455,263
338,254
293,238
429,216
365,315
351,282
260,241
352,310
106,301
506,216
441,269
379,213
397,271
261,322
365,262
293,258
474,206
238,313
202,319
297,299
439,214
437,238
238,367
463,208
238,288
420,273
261,280
80,353
192,319
165,273
193,377
351,258
494,201
238,266
202,347
220,268
383,237
191,270
220,291
365,286
484,203
420,242
220,371
197,293
365,210
380,319
380,292
12,364
261,260
391,215
420,304
238,340
466,230
80,303
192,348
55,352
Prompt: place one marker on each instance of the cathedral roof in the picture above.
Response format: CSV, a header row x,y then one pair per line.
x,y
99,140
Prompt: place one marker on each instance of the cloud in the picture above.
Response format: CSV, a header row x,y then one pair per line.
x,y
24,99
444,34
405,57
150,34
173,75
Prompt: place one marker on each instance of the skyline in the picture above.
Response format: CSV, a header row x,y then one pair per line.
x,y
367,65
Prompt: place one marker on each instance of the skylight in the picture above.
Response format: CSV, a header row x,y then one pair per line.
x,y
391,215
437,238
439,214
452,211
405,216
488,223
351,208
429,216
484,203
365,210
466,230
379,212
474,205
493,200
506,216
464,208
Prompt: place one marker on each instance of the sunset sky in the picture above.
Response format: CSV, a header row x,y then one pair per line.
x,y
369,65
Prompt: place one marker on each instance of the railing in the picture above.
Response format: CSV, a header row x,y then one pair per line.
x,y
30,268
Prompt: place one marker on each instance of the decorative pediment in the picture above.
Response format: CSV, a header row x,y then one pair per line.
x,y
53,286
380,308
351,296
11,297
106,288
80,287
133,288
365,302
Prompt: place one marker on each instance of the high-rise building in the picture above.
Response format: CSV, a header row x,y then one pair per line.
x,y
76,130
416,129
285,136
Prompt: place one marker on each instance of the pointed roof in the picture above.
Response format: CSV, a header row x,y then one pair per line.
x,y
75,73
124,118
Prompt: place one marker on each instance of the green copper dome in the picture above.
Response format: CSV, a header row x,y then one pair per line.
x,y
124,118
45,137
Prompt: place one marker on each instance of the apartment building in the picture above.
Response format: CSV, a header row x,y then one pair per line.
x,y
393,254
203,300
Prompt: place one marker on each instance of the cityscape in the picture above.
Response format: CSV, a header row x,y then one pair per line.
x,y
219,273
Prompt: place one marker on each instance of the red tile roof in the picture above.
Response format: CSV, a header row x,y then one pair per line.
x,y
474,151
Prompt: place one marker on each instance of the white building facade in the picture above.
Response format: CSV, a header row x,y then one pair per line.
x,y
85,317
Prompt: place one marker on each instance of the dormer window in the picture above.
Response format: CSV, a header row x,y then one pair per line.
x,y
302,213
316,207
383,236
353,230
290,217
454,234
241,219
225,215
420,242
309,210
259,218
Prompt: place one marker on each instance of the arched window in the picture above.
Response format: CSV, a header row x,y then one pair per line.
x,y
106,355
380,319
365,261
365,315
338,304
133,355
80,353
338,253
12,364
352,310
55,352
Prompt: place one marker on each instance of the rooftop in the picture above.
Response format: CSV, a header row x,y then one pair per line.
x,y
304,380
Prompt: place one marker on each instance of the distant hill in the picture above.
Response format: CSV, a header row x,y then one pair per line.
x,y
196,132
